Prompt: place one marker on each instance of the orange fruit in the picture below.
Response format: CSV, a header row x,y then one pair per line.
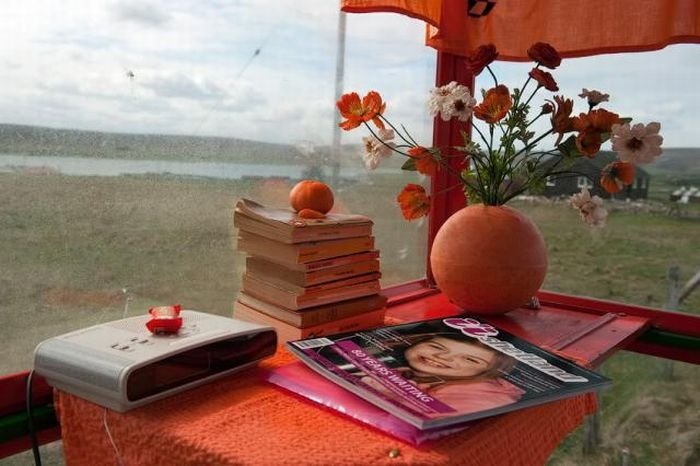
x,y
311,194
310,213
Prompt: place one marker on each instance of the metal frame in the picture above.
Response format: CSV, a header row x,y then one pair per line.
x,y
672,335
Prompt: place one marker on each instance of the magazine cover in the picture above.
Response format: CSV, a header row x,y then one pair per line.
x,y
444,371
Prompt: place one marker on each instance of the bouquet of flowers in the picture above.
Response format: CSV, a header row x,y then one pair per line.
x,y
505,159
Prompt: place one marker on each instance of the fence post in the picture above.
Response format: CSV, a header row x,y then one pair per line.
x,y
672,303
625,457
591,433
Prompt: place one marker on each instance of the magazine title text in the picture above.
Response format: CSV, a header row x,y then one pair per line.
x,y
487,334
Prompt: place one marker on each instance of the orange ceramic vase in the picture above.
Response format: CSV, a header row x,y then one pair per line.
x,y
489,259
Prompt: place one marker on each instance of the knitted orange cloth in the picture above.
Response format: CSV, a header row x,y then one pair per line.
x,y
242,420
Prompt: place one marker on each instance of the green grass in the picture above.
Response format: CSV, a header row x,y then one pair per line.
x,y
71,245
626,261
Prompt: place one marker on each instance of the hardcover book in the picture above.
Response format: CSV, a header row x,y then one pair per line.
x,y
286,226
286,332
317,314
445,372
301,253
298,298
280,274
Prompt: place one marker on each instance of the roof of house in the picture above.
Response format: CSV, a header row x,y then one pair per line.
x,y
601,159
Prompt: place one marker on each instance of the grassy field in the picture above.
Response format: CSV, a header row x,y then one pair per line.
x,y
74,249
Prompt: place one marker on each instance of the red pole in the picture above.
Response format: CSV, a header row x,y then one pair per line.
x,y
446,201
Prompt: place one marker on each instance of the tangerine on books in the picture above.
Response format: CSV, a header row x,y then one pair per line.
x,y
311,194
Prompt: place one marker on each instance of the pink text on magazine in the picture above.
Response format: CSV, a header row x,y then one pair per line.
x,y
486,334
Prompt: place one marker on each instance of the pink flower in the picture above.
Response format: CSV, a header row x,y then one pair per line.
x,y
451,100
638,144
594,97
376,150
590,208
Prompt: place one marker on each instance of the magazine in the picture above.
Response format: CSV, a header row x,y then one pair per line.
x,y
446,371
299,379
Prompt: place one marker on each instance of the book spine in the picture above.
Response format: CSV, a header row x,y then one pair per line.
x,y
321,288
286,332
359,322
301,253
337,273
330,232
316,315
336,261
309,252
273,294
277,273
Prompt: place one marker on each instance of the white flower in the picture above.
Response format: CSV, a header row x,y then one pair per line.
x,y
594,97
638,144
590,208
451,100
376,150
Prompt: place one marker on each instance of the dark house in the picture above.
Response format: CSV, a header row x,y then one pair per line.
x,y
587,173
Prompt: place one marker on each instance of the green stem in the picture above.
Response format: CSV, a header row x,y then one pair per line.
x,y
395,130
495,80
481,135
393,148
533,143
534,119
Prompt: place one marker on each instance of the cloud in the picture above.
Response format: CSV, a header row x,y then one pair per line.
x,y
140,12
196,72
184,87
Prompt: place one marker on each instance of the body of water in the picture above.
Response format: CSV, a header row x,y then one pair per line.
x,y
84,166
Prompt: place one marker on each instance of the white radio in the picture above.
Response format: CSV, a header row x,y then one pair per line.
x,y
121,365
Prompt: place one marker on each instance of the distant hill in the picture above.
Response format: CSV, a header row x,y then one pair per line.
x,y
677,161
36,140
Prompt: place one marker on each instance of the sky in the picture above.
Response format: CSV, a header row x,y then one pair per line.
x,y
191,67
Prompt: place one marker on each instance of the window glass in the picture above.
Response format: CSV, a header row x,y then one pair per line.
x,y
130,128
650,227
651,234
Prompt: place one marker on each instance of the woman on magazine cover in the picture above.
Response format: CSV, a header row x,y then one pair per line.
x,y
459,371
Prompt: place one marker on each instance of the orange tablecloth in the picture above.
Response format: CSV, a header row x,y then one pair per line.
x,y
243,420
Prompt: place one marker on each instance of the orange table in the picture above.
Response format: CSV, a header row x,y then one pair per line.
x,y
244,420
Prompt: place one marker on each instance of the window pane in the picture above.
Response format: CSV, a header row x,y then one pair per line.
x,y
130,128
648,233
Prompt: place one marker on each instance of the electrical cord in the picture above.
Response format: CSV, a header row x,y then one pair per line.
x,y
118,455
30,419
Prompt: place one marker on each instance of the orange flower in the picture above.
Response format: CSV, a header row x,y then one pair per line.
x,y
561,118
356,112
480,58
544,54
414,202
616,175
544,79
495,106
588,142
599,120
591,126
424,160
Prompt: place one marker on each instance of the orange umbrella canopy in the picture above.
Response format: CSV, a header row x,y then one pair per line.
x,y
575,28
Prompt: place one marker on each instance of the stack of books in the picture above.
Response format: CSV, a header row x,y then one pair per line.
x,y
307,277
